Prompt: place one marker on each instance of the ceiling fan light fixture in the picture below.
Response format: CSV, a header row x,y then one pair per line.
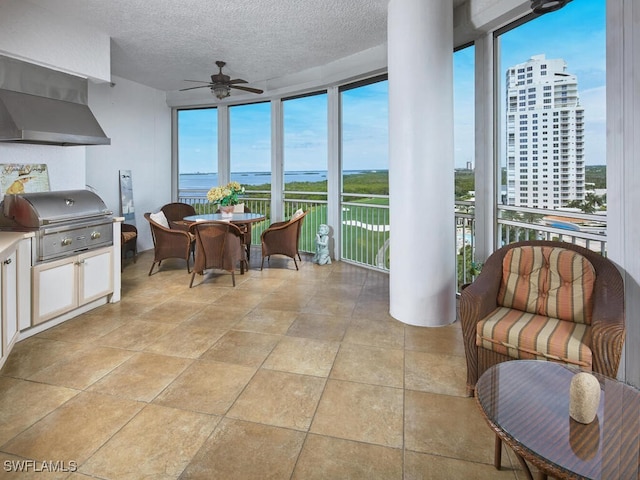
x,y
546,6
221,91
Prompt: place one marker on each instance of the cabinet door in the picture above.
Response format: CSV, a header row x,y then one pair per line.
x,y
95,275
54,288
3,303
24,284
9,298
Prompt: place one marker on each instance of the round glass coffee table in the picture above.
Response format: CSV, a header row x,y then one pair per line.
x,y
526,403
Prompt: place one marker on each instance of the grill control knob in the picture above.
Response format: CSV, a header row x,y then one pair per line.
x,y
65,242
95,235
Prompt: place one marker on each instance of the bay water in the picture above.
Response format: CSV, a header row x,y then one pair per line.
x,y
202,182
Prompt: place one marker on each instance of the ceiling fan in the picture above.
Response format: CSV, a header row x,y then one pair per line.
x,y
222,84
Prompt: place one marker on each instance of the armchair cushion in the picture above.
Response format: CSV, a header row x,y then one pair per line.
x,y
160,219
548,281
523,335
297,214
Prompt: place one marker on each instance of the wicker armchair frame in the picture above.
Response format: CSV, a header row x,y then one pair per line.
x,y
607,328
218,245
246,233
175,212
282,238
169,243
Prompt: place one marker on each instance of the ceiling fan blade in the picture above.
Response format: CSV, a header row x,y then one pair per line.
x,y
247,89
193,88
237,80
198,81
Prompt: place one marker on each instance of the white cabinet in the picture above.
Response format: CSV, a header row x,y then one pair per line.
x,y
14,262
63,285
9,299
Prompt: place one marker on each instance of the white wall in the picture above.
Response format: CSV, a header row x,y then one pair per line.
x,y
135,117
65,164
138,121
37,35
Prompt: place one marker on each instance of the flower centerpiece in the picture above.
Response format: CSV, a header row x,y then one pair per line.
x,y
225,197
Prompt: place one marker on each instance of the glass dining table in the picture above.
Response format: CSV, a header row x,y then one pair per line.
x,y
238,218
241,219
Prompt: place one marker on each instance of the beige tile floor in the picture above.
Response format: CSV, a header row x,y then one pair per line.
x,y
289,375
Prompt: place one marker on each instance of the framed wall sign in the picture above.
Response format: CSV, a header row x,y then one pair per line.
x,y
23,178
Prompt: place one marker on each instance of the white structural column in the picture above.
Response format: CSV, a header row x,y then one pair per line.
x,y
277,161
421,183
623,167
334,172
485,177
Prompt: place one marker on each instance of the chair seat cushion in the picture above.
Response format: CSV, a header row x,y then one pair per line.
x,y
127,236
524,335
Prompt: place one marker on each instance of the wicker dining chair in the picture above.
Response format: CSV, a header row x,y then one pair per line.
x,y
544,300
282,238
169,243
219,246
175,212
246,229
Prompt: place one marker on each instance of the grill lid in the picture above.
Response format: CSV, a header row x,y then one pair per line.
x,y
33,210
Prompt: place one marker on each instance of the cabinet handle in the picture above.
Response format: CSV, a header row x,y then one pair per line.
x,y
7,261
80,262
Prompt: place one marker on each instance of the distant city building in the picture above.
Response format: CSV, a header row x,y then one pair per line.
x,y
545,135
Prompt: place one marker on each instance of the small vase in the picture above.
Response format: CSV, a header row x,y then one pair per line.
x,y
584,397
226,211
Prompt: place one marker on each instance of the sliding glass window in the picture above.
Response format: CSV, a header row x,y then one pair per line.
x,y
464,121
365,173
464,160
552,108
197,152
250,146
305,143
305,162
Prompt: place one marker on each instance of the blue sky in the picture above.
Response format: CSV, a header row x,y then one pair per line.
x,y
575,33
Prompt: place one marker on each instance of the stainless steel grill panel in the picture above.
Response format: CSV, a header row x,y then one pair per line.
x,y
66,222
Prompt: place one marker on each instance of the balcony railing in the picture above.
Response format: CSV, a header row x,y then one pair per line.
x,y
315,203
258,201
365,227
366,230
518,224
365,221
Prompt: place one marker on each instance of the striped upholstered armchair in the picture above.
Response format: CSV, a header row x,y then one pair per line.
x,y
544,300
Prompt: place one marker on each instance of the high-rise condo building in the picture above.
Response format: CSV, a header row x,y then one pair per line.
x,y
545,135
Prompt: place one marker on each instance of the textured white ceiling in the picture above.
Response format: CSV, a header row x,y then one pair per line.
x,y
160,43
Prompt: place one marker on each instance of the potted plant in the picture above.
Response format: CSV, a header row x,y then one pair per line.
x,y
226,197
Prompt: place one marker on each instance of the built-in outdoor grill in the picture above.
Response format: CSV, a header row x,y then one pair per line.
x,y
66,222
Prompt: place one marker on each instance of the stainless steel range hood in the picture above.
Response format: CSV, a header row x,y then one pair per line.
x,y
43,106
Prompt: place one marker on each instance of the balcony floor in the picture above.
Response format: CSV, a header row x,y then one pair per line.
x,y
291,374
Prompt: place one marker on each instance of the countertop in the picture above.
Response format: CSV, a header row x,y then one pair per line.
x,y
9,240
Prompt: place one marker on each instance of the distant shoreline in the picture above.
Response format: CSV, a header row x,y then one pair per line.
x,y
289,172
